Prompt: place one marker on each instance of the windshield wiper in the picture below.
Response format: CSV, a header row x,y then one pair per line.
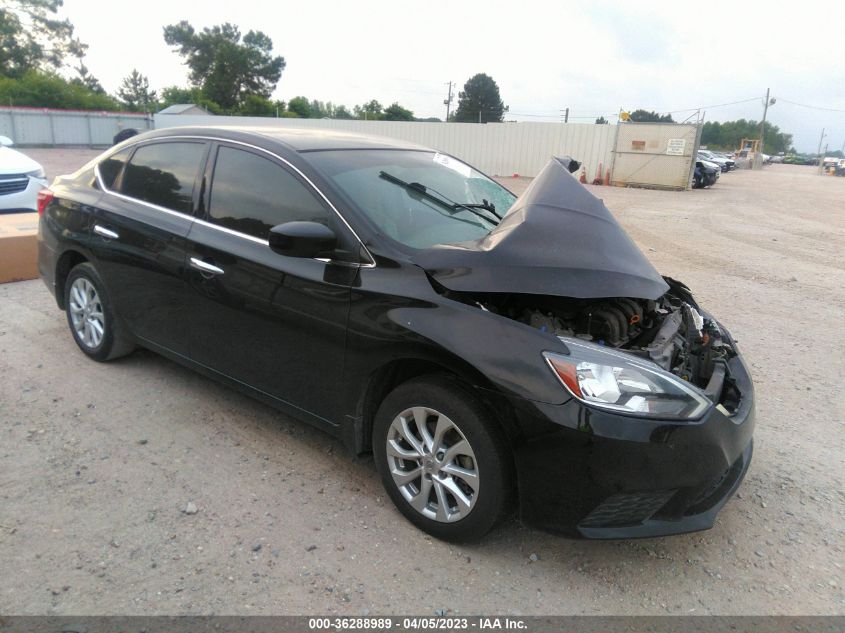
x,y
439,198
484,204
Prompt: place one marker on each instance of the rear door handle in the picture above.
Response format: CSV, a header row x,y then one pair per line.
x,y
104,232
205,267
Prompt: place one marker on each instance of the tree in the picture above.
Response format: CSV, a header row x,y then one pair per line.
x,y
256,105
172,95
224,65
729,134
371,111
135,93
601,121
32,38
395,112
341,112
647,116
47,90
88,80
300,106
480,102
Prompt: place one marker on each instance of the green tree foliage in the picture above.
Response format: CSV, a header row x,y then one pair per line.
x,y
172,95
601,121
341,112
480,101
46,90
256,105
226,66
300,106
33,38
135,93
647,116
371,111
728,135
88,80
395,112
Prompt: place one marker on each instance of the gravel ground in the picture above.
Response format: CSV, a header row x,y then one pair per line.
x,y
98,463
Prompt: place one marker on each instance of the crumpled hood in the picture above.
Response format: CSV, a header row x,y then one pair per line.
x,y
556,239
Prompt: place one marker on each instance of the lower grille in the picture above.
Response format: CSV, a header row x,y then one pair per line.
x,y
627,508
13,184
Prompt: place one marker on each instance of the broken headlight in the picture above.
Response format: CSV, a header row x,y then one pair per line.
x,y
616,381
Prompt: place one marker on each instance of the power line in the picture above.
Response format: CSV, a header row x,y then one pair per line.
x,y
718,105
804,105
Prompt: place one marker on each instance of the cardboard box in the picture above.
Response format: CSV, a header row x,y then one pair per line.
x,y
18,246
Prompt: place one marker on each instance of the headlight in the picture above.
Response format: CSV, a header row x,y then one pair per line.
x,y
611,380
37,173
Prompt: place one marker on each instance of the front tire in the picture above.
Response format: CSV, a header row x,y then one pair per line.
x,y
443,459
91,318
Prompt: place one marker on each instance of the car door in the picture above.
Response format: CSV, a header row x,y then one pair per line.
x,y
272,322
139,236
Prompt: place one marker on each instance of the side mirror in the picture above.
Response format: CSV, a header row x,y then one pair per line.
x,y
303,239
5,141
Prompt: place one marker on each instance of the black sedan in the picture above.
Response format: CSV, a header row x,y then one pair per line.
x,y
489,350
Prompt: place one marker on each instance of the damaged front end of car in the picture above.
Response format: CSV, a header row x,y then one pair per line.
x,y
656,434
672,332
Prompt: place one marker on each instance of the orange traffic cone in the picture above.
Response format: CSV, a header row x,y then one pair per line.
x,y
597,179
607,176
583,177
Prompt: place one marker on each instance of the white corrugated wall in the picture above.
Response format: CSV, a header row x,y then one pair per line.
x,y
47,127
499,149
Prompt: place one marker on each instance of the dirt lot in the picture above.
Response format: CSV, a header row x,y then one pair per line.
x,y
97,461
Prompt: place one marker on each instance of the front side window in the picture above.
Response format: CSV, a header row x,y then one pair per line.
x,y
164,174
251,194
417,198
111,166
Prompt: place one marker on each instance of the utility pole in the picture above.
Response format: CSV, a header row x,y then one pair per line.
x,y
763,124
819,153
448,102
566,115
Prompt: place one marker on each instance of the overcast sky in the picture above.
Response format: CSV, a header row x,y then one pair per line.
x,y
593,56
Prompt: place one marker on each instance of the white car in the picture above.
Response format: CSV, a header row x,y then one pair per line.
x,y
21,178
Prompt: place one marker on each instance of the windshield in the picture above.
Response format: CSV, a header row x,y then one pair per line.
x,y
405,206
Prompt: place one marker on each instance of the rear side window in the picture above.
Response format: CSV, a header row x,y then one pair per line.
x,y
164,174
252,194
110,167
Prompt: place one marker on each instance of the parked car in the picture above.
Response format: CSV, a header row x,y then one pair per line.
x,y
21,178
705,174
723,163
486,348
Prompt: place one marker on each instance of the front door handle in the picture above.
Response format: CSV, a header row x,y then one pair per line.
x,y
205,267
104,232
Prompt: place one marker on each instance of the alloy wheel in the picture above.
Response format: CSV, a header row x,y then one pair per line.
x,y
86,313
432,464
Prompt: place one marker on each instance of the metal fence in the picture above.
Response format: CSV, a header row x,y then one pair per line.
x,y
655,155
29,127
639,154
499,149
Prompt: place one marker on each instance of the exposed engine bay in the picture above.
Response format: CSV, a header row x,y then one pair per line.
x,y
670,331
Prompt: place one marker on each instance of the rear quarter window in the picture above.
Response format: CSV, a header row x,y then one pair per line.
x,y
111,166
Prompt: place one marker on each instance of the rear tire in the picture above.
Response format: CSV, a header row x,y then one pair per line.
x,y
93,325
454,478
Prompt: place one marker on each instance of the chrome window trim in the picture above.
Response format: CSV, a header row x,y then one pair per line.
x,y
257,240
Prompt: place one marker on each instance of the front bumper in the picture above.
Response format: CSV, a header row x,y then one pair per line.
x,y
24,201
593,474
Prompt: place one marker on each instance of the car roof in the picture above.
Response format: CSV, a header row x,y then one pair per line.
x,y
299,139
